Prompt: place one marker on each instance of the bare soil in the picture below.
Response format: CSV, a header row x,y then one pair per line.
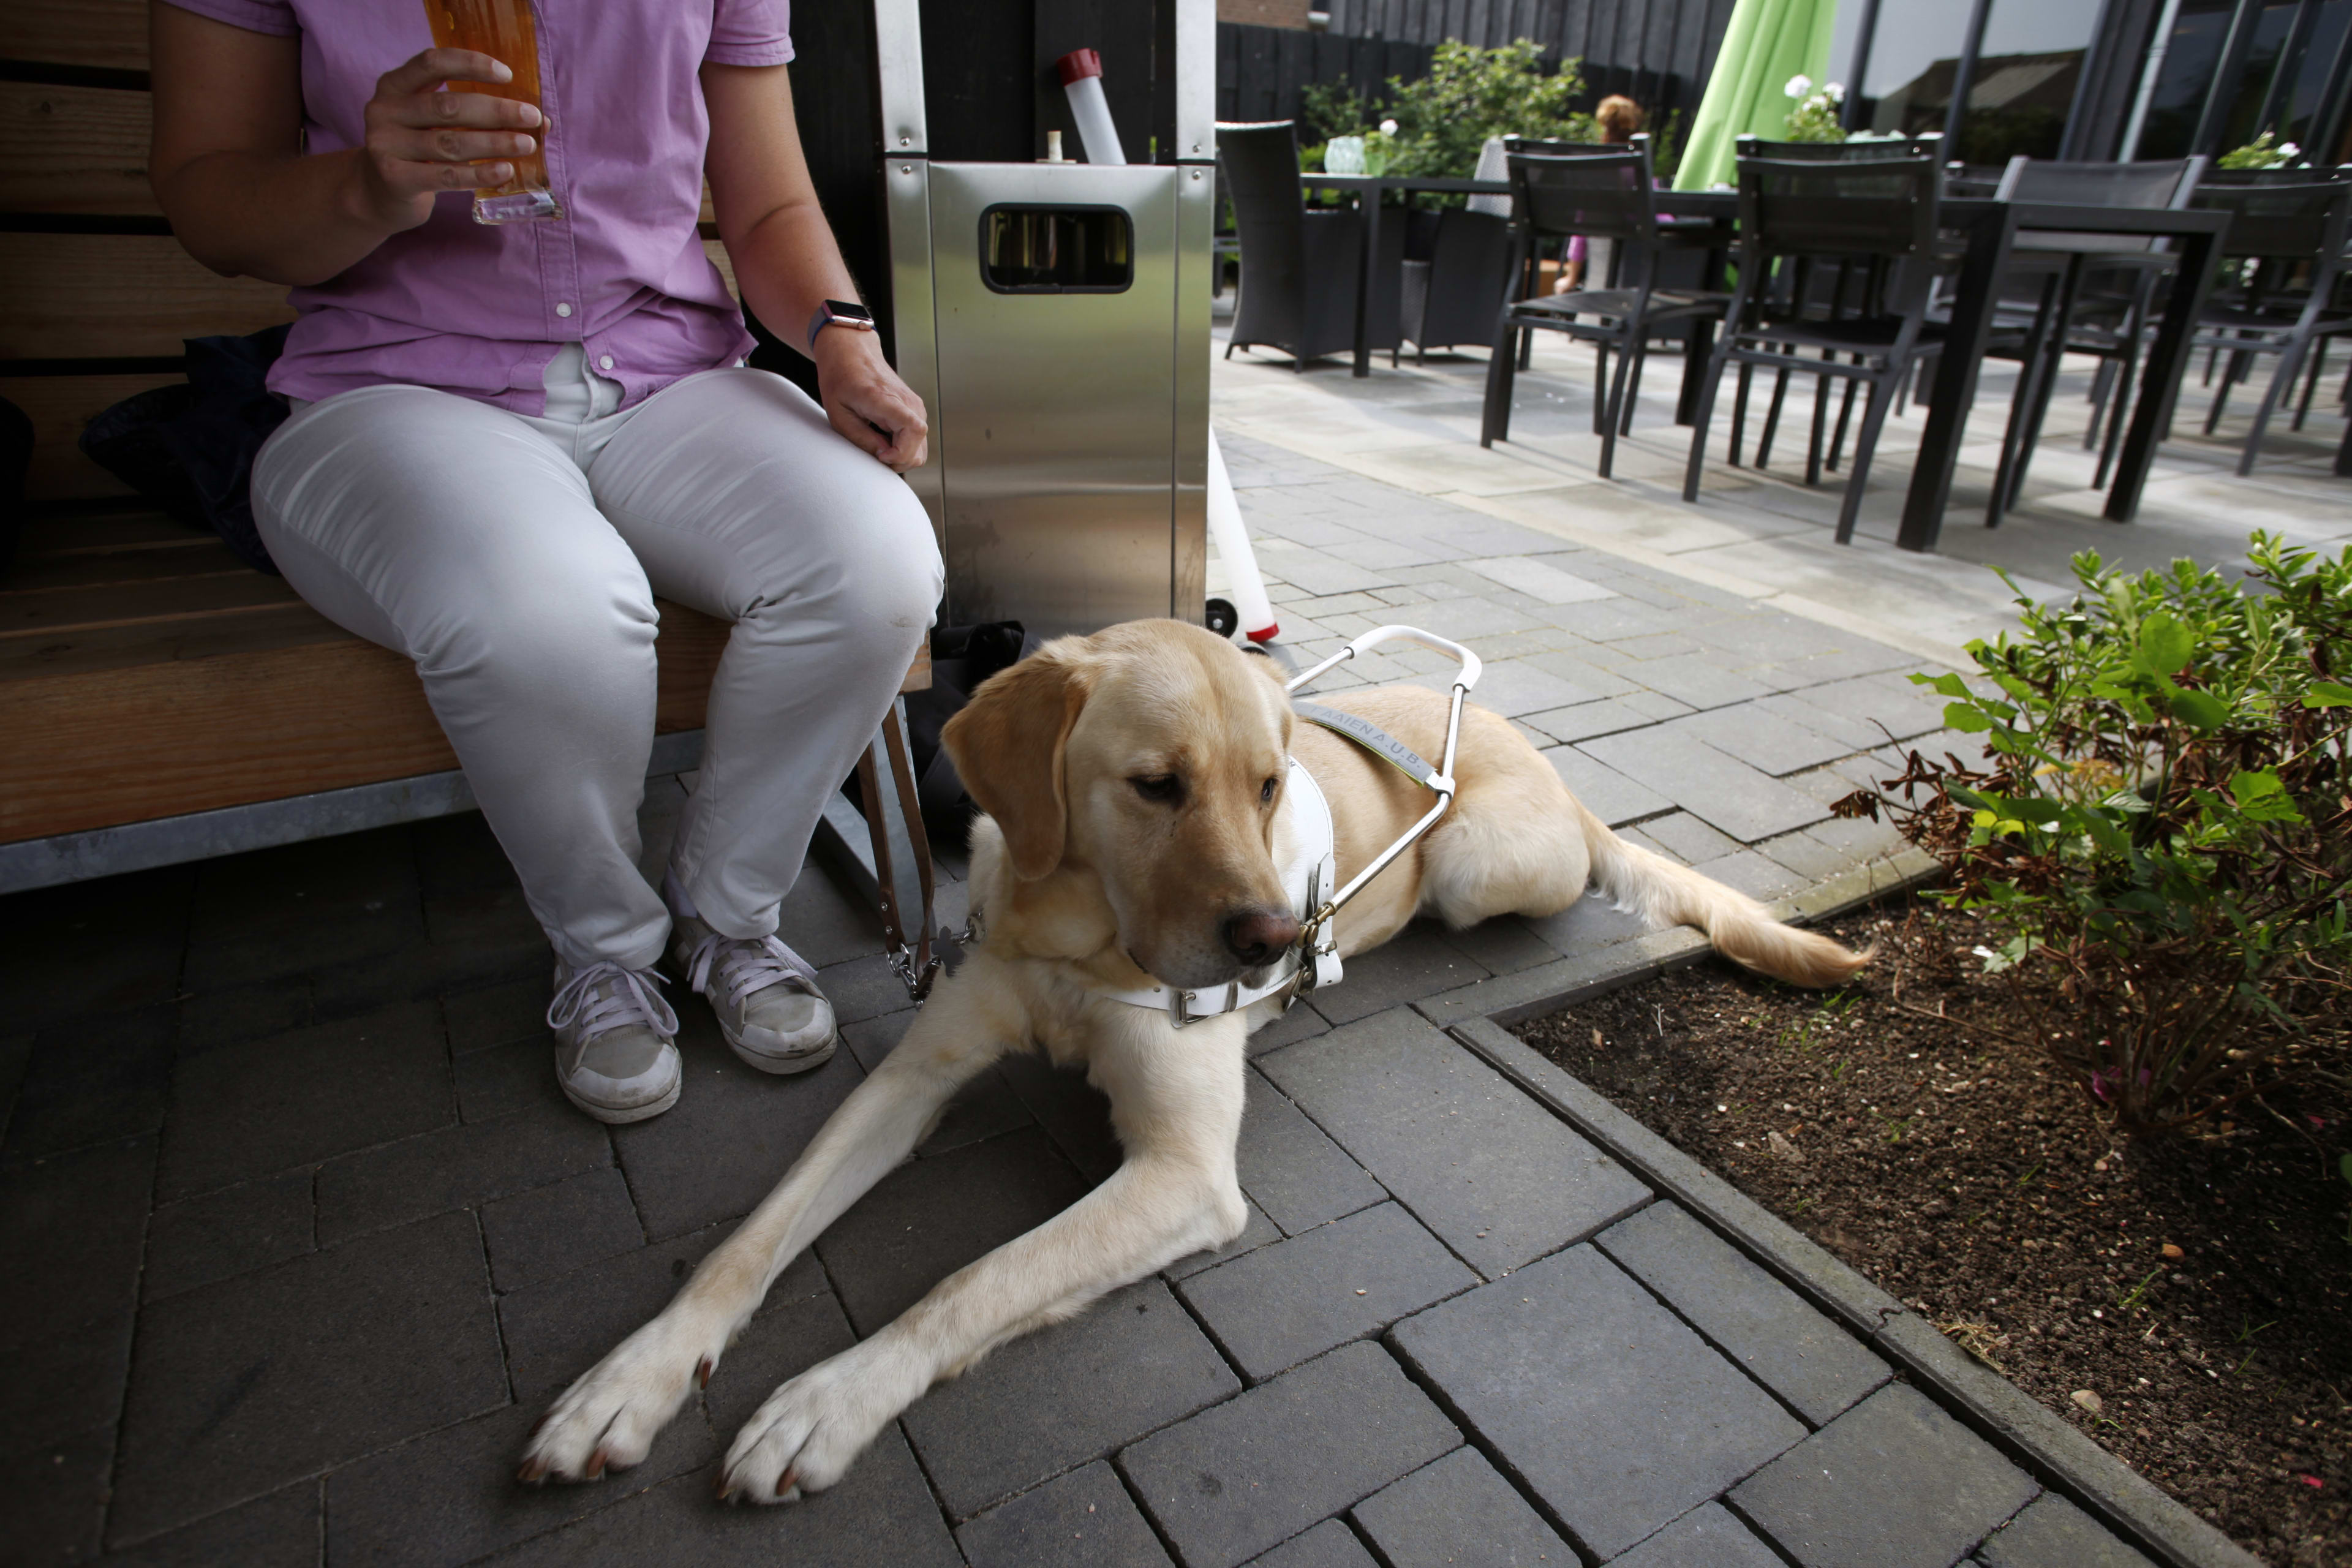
x,y
2184,1301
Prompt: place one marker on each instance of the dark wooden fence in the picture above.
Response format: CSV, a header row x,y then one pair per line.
x,y
1262,71
1643,40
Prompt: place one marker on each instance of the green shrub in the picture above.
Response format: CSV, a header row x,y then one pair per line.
x,y
1443,118
2162,825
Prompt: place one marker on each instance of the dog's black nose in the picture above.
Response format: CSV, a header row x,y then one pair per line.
x,y
1258,937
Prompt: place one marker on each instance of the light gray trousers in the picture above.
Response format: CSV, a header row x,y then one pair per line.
x,y
516,560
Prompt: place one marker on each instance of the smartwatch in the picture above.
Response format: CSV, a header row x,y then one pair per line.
x,y
839,312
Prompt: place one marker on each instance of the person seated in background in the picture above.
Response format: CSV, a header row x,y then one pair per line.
x,y
1619,120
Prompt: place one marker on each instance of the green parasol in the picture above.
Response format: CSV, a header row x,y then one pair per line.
x,y
1768,42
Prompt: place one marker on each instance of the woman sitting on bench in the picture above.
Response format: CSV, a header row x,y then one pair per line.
x,y
506,438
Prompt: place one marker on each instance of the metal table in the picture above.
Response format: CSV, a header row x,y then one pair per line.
x,y
1992,229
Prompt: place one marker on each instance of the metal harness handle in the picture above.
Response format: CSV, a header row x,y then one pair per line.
x,y
1440,781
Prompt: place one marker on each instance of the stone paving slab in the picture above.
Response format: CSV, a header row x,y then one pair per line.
x,y
1248,1473
325,1359
1296,1299
1892,1483
2051,1532
1403,1099
1707,1535
1074,1391
1329,1544
1295,1175
1573,1345
1083,1519
1458,1511
256,1108
1764,1327
930,1217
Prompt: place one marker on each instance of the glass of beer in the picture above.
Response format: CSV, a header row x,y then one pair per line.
x,y
503,30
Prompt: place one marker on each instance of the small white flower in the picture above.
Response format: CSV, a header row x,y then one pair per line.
x,y
2289,150
1799,84
1835,93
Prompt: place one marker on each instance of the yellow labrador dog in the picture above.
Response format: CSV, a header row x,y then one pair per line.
x,y
1134,783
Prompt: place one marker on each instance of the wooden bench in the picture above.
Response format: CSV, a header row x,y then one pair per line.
x,y
161,701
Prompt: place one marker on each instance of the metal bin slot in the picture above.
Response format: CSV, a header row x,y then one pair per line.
x,y
1027,249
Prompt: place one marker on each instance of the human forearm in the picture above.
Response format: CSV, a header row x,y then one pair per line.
x,y
229,171
787,265
285,219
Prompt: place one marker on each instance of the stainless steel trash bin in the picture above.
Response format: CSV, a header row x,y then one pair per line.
x,y
1054,319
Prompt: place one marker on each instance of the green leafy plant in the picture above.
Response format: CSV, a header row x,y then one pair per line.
x,y
1437,125
2161,826
1815,118
2262,153
1666,145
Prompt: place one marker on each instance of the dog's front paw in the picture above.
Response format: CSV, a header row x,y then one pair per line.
x,y
610,1416
803,1438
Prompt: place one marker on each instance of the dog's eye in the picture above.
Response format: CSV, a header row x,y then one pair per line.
x,y
1163,788
1266,791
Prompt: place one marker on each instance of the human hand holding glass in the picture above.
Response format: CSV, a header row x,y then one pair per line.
x,y
421,141
503,30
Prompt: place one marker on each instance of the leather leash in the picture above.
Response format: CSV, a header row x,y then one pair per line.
x,y
915,966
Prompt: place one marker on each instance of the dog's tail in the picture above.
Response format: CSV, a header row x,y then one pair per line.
x,y
1665,893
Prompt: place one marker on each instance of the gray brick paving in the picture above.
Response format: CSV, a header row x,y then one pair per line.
x,y
1892,1483
1572,1344
1248,1473
1609,795
326,1358
1330,1544
1707,1535
1068,1393
1403,1099
2052,1532
307,1238
1460,1511
1282,1304
1714,786
1759,1322
1083,1519
1290,1170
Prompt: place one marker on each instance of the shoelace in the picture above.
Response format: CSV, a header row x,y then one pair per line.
x,y
606,996
745,965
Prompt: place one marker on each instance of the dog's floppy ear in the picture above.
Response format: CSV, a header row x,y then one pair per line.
x,y
1007,747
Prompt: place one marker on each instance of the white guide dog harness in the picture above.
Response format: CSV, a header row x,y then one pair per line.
x,y
1313,872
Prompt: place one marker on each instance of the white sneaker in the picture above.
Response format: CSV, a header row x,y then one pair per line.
x,y
769,1008
613,1059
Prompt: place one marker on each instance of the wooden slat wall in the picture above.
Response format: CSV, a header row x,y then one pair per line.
x,y
107,35
80,296
73,150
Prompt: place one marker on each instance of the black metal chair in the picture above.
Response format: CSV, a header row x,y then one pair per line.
x,y
1800,213
2107,319
2295,233
1824,291
1604,192
1298,267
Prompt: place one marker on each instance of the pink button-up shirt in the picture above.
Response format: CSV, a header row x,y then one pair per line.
x,y
479,309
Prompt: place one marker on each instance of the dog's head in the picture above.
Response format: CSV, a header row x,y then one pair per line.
x,y
1149,759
